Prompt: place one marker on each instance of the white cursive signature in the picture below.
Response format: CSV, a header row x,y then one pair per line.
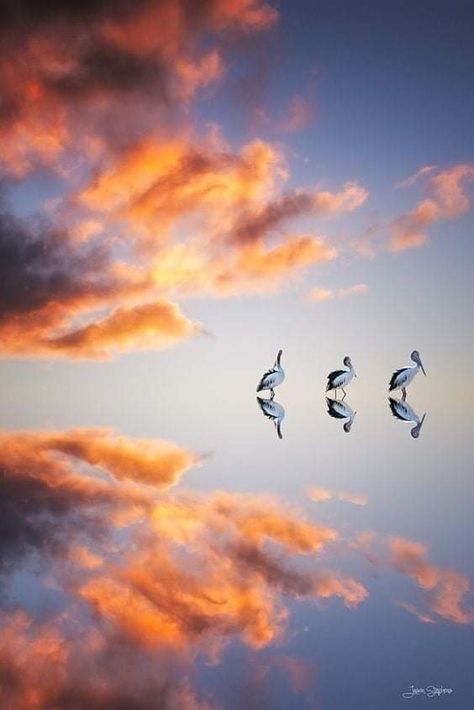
x,y
431,691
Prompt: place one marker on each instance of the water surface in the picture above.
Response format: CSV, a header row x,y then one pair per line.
x,y
178,554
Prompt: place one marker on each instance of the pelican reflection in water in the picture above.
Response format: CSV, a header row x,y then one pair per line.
x,y
339,409
274,411
403,411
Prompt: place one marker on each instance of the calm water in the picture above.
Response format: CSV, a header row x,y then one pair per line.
x,y
175,553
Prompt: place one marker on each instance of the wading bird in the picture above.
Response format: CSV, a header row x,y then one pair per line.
x,y
341,378
339,409
402,378
402,410
274,411
272,378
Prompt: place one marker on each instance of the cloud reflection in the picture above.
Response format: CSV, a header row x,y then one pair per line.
x,y
150,578
445,589
144,578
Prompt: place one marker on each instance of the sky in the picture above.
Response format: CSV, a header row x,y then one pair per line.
x,y
185,188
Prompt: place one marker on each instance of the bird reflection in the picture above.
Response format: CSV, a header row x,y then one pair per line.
x,y
403,411
274,411
339,409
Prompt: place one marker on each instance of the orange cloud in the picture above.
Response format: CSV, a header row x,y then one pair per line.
x,y
322,494
48,666
75,69
256,522
48,332
230,197
147,326
320,294
84,558
231,584
409,557
204,568
256,223
149,209
256,268
164,182
324,294
150,461
232,203
447,200
445,589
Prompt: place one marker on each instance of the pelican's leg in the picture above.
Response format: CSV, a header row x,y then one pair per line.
x,y
404,394
335,392
272,393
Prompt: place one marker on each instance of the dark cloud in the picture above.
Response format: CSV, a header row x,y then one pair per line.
x,y
273,570
27,14
40,264
66,65
252,227
41,508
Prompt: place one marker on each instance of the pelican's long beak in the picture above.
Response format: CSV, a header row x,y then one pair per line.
x,y
421,365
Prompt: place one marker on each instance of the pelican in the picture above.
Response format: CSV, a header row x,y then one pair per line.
x,y
402,410
274,411
341,378
341,410
272,378
402,378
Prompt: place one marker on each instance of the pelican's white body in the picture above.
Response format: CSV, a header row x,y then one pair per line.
x,y
404,377
343,380
273,377
338,379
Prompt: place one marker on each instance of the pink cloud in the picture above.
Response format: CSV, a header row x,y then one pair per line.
x,y
299,115
323,494
445,590
447,199
325,294
422,172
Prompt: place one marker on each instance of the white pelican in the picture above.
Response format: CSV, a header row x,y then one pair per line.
x,y
274,411
402,410
341,378
341,410
272,378
402,378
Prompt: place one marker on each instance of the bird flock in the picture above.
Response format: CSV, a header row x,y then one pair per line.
x,y
339,380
